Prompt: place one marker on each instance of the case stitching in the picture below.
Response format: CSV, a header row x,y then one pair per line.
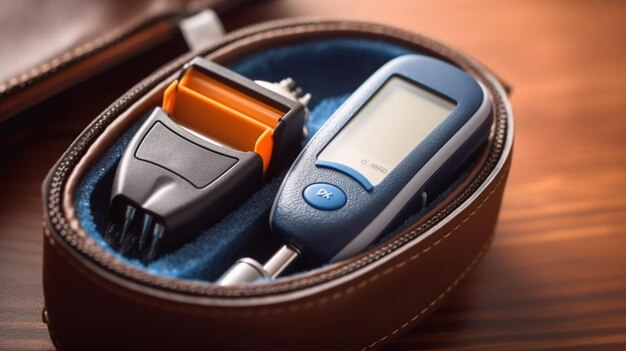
x,y
437,299
76,53
457,280
375,277
349,290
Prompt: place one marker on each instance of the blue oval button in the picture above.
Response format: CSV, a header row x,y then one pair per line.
x,y
324,196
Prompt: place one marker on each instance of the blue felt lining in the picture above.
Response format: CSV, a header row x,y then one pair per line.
x,y
330,69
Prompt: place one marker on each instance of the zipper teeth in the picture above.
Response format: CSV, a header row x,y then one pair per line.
x,y
17,83
78,148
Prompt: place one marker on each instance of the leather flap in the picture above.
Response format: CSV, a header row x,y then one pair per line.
x,y
51,45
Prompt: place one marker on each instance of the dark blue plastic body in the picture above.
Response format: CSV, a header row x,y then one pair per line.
x,y
320,234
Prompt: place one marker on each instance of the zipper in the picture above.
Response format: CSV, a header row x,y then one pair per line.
x,y
91,251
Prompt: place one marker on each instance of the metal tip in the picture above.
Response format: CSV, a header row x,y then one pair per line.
x,y
280,260
157,235
110,234
128,244
129,215
145,230
247,270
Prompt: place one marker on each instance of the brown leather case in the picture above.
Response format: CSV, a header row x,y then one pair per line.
x,y
94,301
60,43
62,51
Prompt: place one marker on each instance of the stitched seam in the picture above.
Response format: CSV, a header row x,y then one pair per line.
x,y
437,299
375,277
456,281
349,290
75,54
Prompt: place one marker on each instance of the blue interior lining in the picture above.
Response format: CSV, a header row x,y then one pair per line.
x,y
330,69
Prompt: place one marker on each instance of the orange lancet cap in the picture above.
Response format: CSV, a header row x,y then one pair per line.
x,y
222,114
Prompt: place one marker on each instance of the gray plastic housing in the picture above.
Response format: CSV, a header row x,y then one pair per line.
x,y
184,181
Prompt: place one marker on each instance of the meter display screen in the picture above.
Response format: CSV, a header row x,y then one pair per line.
x,y
390,125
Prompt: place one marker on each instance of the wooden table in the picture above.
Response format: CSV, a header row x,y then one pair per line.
x,y
556,275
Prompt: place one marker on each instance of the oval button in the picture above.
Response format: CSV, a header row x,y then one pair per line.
x,y
324,196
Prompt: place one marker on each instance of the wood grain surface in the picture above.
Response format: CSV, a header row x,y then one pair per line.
x,y
555,277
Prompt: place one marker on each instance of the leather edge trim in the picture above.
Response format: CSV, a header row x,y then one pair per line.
x,y
430,307
96,61
124,287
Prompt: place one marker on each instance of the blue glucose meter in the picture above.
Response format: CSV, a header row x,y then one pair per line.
x,y
397,141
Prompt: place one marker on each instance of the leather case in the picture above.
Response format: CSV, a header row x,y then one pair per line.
x,y
96,299
57,45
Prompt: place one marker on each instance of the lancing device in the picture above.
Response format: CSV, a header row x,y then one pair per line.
x,y
397,142
211,145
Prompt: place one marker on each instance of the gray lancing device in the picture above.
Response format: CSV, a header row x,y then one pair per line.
x,y
171,183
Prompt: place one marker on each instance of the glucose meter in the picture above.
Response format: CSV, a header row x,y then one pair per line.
x,y
397,142
394,142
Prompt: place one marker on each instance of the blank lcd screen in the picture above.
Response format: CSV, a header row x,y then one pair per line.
x,y
390,125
